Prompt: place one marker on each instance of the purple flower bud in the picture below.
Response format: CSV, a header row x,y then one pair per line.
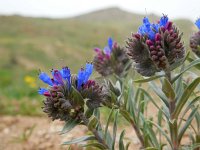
x,y
57,77
158,37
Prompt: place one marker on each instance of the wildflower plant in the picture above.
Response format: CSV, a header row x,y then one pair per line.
x,y
111,60
158,54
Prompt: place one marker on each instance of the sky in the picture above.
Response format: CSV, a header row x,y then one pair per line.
x,y
67,8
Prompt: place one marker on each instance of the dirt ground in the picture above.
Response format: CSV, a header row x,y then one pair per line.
x,y
40,133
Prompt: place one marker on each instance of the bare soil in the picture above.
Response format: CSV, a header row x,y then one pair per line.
x,y
40,133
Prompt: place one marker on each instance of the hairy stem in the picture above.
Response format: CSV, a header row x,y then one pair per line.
x,y
138,133
94,131
173,121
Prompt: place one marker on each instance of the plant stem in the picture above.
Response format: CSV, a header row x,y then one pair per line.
x,y
94,131
173,121
138,133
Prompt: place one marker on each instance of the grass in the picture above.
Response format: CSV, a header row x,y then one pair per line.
x,y
28,44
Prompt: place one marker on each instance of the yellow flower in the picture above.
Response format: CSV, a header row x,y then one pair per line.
x,y
30,81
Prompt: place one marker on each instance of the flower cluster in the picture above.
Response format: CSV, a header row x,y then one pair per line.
x,y
195,40
111,60
155,47
67,94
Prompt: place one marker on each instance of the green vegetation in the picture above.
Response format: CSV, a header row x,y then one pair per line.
x,y
28,44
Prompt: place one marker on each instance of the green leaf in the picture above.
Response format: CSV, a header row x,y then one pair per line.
x,y
165,111
188,107
187,124
108,122
127,116
162,131
191,60
77,98
192,64
152,135
92,123
96,145
149,79
115,129
179,88
121,143
168,90
159,92
186,94
69,125
79,140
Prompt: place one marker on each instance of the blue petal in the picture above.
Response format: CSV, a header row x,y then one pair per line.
x,y
151,35
155,27
110,43
197,23
163,20
65,72
88,71
146,23
80,78
41,91
45,78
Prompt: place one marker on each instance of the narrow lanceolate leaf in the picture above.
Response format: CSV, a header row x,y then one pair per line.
x,y
192,64
79,140
115,129
148,79
92,123
69,125
168,90
189,106
160,93
77,98
186,94
108,122
187,124
121,143
191,60
127,116
162,131
96,145
164,110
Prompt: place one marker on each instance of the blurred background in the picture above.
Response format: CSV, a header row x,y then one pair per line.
x,y
46,34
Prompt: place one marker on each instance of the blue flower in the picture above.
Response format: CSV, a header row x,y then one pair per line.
x,y
88,71
65,72
84,75
110,43
146,29
163,21
80,78
41,91
108,48
155,27
198,23
45,78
